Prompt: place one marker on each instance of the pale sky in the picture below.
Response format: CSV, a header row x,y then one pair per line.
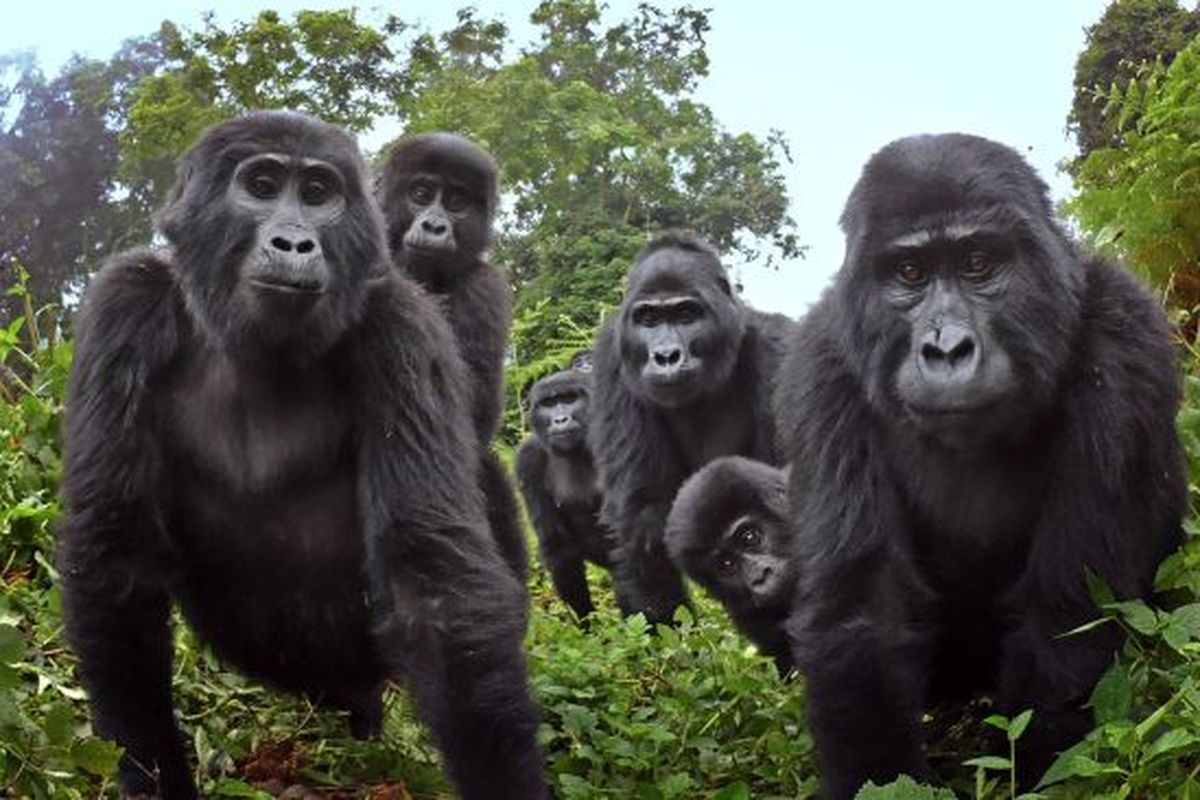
x,y
840,79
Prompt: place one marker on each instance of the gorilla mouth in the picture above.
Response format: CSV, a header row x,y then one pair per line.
x,y
284,286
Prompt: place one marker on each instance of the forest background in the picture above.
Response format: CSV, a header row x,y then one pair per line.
x,y
602,142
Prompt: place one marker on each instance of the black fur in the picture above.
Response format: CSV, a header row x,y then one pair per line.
x,y
474,295
295,469
558,479
728,531
648,437
975,415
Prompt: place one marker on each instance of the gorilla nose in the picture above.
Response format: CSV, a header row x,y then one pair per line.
x,y
302,245
435,226
668,357
949,349
561,421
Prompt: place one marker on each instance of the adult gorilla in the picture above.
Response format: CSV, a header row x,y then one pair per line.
x,y
728,531
976,416
683,373
438,194
557,476
270,427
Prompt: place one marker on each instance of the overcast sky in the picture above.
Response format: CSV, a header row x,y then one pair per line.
x,y
840,79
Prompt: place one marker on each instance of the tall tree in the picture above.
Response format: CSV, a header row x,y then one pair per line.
x,y
1131,33
58,160
1141,200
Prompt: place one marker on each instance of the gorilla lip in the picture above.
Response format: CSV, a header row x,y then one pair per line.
x,y
287,287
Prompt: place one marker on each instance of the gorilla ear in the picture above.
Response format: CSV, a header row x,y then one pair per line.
x,y
171,215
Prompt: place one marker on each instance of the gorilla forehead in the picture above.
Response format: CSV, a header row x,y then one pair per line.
x,y
445,154
729,487
675,262
559,381
287,132
936,175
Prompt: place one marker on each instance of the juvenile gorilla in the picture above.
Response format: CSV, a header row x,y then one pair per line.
x,y
976,415
558,479
270,427
438,192
683,373
728,531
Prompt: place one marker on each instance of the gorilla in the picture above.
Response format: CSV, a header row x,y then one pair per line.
x,y
728,531
270,427
976,416
558,480
683,373
438,193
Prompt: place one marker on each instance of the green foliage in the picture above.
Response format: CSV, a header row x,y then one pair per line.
x,y
324,62
1141,201
1130,34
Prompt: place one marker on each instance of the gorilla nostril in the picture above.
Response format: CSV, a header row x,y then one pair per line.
x,y
307,246
961,351
280,243
667,358
932,353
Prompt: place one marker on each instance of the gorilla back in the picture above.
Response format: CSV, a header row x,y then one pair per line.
x,y
270,427
975,416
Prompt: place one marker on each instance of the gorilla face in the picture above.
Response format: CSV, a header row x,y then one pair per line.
x,y
962,294
750,564
682,327
559,405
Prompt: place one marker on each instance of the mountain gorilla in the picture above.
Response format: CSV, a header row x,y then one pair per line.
x,y
438,192
683,373
558,480
976,416
728,531
270,427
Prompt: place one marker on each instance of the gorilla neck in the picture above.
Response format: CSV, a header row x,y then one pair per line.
x,y
721,423
571,478
439,275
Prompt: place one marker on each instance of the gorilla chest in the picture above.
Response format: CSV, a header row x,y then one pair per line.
x,y
251,433
971,522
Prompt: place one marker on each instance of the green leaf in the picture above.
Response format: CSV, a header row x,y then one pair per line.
x,y
1019,723
96,756
733,791
12,645
1112,699
990,762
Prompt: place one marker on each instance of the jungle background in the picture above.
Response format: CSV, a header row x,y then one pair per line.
x,y
602,142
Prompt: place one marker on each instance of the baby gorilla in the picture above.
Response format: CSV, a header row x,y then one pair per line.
x,y
558,480
728,531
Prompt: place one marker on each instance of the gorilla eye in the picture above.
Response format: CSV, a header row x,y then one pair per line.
x,y
687,313
727,565
456,201
317,188
911,272
979,264
647,316
421,193
749,536
262,184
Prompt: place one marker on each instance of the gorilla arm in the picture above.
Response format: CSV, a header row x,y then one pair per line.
x,y
112,555
1117,475
854,605
449,613
561,552
640,471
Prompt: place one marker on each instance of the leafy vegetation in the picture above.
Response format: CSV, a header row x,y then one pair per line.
x,y
601,142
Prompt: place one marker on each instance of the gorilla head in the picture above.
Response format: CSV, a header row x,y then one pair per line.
x,y
728,531
680,325
273,232
942,231
558,410
439,193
